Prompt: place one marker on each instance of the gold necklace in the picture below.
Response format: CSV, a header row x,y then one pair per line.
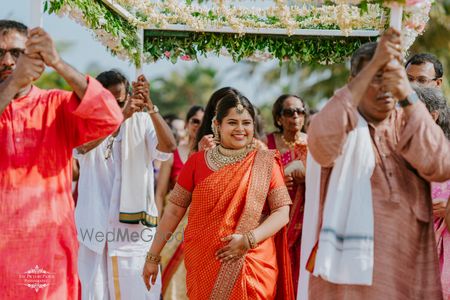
x,y
218,157
291,145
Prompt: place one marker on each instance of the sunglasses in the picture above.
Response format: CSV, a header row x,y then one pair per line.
x,y
15,52
195,121
290,112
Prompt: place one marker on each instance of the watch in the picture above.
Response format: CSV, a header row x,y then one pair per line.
x,y
409,100
153,110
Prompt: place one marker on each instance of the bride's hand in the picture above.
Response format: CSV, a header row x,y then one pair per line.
x,y
150,272
236,248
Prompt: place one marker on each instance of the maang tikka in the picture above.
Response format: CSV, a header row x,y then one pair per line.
x,y
239,107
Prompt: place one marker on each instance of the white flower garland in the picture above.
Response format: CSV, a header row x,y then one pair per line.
x,y
344,15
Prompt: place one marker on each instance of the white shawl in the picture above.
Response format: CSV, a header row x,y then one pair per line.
x,y
135,201
345,251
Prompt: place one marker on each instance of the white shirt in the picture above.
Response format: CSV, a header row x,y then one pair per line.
x,y
97,211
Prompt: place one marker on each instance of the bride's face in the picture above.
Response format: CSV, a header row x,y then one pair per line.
x,y
236,130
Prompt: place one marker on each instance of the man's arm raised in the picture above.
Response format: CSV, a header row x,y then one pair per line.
x,y
40,42
8,89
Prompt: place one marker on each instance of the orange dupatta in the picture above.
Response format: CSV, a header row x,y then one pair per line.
x,y
230,201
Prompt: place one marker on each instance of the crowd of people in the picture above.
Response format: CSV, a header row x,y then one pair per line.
x,y
351,203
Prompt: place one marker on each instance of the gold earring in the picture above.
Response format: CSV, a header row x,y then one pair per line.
x,y
253,145
215,130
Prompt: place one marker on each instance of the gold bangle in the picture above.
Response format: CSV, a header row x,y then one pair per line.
x,y
152,258
247,242
251,240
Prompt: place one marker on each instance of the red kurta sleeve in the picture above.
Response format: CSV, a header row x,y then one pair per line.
x,y
96,115
423,144
328,130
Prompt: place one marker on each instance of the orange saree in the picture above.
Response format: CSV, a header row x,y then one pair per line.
x,y
233,200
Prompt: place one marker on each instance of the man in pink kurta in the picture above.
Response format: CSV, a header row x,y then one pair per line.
x,y
38,130
410,151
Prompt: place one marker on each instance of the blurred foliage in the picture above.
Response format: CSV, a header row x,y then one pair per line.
x,y
265,111
52,80
180,90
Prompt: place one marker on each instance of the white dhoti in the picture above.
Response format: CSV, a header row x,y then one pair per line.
x,y
106,277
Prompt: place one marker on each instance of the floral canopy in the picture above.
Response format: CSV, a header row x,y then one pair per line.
x,y
306,31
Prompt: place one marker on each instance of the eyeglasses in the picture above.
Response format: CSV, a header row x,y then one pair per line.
x,y
195,121
290,112
421,79
15,52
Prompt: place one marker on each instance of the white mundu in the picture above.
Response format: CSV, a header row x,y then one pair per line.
x,y
112,254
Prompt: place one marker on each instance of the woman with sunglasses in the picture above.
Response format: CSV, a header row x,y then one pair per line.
x,y
174,272
289,115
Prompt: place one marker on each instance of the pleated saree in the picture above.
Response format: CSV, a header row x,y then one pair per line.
x,y
234,199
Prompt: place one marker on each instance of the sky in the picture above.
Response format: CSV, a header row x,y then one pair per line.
x,y
84,51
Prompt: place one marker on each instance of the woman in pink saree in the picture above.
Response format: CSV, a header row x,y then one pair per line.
x,y
289,116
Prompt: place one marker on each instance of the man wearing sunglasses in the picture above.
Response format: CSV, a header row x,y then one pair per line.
x,y
38,130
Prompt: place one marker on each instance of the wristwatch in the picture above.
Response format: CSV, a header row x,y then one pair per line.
x,y
153,110
409,100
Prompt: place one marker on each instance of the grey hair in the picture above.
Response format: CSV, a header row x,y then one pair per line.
x,y
434,100
361,56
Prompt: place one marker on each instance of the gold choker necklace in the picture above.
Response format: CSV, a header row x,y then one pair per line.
x,y
218,157
291,145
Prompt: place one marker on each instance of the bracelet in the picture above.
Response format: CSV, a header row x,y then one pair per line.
x,y
152,258
251,239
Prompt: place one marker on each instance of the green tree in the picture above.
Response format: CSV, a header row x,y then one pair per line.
x,y
52,80
180,90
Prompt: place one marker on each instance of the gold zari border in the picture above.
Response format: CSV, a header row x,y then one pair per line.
x,y
180,196
279,197
256,197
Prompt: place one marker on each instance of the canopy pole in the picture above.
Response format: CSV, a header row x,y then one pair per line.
x,y
396,16
396,19
139,67
36,14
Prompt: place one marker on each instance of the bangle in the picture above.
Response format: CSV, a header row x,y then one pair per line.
x,y
251,240
152,258
247,242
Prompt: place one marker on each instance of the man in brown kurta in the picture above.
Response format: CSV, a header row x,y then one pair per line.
x,y
410,151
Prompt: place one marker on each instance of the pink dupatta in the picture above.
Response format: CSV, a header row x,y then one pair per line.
x,y
442,191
